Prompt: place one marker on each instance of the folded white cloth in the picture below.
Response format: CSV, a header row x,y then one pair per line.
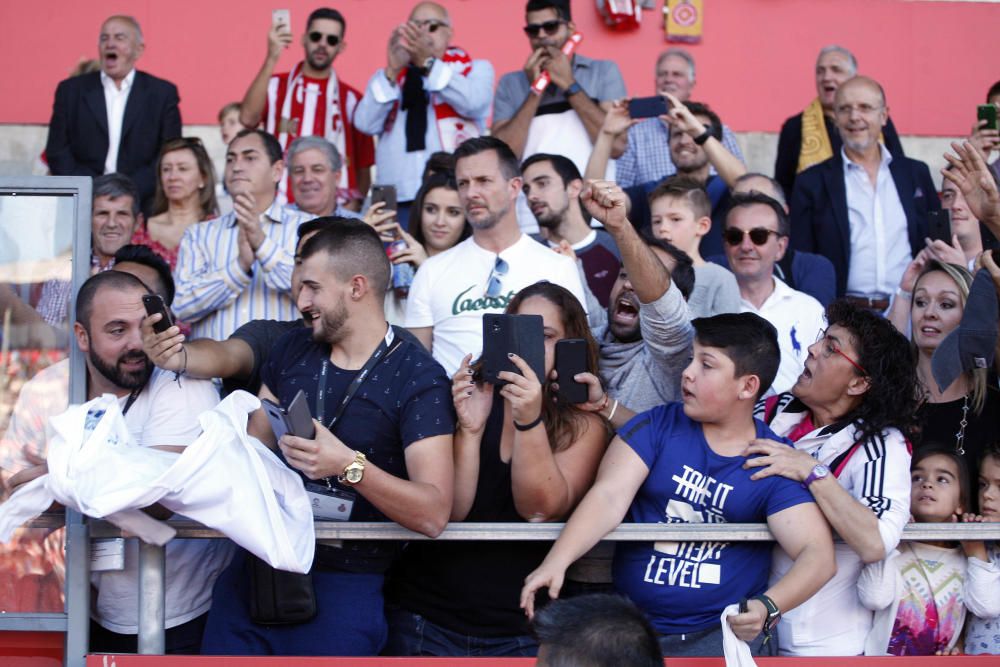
x,y
736,651
225,480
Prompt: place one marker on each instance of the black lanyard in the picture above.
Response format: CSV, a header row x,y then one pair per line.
x,y
384,348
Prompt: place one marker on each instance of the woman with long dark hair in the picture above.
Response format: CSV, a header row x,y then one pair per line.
x,y
519,456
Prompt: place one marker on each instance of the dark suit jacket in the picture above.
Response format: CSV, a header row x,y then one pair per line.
x,y
78,133
790,143
819,209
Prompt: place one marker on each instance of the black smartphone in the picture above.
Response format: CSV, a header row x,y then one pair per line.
x,y
571,358
384,194
939,225
647,107
521,334
296,420
154,304
987,112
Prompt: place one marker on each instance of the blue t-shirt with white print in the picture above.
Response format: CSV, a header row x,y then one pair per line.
x,y
684,586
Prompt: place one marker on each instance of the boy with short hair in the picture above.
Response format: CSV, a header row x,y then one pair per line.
x,y
681,213
684,463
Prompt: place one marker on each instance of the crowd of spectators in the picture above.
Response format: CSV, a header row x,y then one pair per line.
x,y
756,348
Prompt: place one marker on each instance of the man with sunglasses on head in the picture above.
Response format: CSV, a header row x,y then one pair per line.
x,y
311,101
756,237
563,117
430,97
454,289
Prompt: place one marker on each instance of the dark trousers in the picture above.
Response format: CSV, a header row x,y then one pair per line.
x,y
183,639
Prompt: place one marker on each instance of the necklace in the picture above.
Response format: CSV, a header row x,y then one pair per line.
x,y
960,436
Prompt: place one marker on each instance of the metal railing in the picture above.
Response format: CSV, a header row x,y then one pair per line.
x,y
151,639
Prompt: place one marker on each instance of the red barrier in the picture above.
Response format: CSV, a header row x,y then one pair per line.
x,y
150,661
31,649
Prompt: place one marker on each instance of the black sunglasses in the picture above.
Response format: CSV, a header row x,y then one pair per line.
x,y
331,40
550,28
758,235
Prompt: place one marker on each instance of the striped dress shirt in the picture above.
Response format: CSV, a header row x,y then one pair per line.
x,y
215,295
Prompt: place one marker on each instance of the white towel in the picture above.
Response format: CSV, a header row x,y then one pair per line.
x,y
225,479
736,651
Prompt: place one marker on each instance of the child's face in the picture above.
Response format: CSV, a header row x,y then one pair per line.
x,y
674,221
709,385
989,488
230,126
935,494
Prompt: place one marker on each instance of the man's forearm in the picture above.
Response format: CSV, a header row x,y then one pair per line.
x,y
597,165
646,272
253,102
208,358
726,164
419,506
514,131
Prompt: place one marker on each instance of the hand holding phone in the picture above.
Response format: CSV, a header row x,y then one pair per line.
x,y
571,359
385,195
939,225
282,17
987,112
296,420
522,335
154,304
648,107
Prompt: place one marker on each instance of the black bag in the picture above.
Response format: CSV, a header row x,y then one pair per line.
x,y
279,597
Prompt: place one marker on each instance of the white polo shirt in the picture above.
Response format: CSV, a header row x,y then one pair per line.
x,y
798,318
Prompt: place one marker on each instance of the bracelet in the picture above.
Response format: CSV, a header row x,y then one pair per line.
x,y
528,427
184,366
611,415
903,294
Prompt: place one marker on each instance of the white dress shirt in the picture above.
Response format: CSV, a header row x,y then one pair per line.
x,y
115,99
880,243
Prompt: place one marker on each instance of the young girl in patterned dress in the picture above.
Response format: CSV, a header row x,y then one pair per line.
x,y
922,591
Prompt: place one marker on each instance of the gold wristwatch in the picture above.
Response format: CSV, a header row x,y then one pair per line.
x,y
355,471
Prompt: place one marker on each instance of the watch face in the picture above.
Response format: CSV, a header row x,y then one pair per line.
x,y
353,475
820,471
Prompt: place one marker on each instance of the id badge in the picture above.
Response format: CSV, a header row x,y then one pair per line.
x,y
330,504
107,554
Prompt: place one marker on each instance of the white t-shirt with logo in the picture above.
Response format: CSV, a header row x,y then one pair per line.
x,y
449,292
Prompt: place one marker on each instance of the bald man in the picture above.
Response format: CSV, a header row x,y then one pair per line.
x,y
429,97
864,209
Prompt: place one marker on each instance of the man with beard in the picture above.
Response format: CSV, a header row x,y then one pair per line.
x,y
381,451
647,341
311,101
238,267
159,411
552,184
865,209
695,148
454,289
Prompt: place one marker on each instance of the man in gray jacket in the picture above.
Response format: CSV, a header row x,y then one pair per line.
x,y
647,341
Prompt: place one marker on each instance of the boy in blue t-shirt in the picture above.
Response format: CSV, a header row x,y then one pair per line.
x,y
685,463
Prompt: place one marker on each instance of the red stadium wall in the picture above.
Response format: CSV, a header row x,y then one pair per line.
x,y
936,59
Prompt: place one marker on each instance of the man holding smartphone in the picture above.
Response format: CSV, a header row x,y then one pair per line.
x,y
311,101
429,97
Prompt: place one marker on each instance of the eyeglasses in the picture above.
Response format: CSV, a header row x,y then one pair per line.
x,y
863,109
758,235
493,285
830,348
331,40
550,28
432,25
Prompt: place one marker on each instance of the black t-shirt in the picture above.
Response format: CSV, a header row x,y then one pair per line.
x,y
473,588
940,423
406,398
260,335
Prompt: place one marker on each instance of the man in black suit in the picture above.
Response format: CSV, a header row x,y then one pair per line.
x,y
810,137
115,119
864,209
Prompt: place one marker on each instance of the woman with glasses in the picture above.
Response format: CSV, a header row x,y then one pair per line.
x,y
185,194
519,456
930,302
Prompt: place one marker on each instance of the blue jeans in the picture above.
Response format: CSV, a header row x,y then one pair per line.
x,y
413,635
350,618
709,642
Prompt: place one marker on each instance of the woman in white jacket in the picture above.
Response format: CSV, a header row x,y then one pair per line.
x,y
923,590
